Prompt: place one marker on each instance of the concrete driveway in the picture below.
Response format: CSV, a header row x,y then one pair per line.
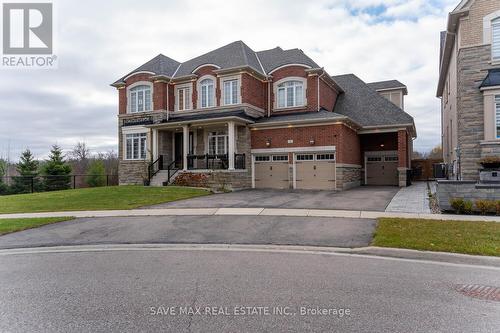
x,y
374,198
271,230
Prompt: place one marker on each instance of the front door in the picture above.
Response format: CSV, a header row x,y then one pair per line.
x,y
179,150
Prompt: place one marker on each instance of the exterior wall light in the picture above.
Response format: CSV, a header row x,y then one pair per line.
x,y
268,142
312,142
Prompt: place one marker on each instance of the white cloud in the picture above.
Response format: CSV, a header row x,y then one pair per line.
x,y
101,40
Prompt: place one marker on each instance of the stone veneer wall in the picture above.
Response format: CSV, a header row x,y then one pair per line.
x,y
221,179
132,172
473,64
348,176
468,190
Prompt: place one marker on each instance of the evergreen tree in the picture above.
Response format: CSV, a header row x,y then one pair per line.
x,y
3,169
56,171
96,174
28,172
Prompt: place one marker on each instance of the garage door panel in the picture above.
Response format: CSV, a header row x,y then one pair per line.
x,y
315,175
382,172
271,175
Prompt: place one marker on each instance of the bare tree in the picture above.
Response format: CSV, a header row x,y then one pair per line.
x,y
436,153
80,155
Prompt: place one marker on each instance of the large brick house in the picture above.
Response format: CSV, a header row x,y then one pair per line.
x,y
237,118
469,86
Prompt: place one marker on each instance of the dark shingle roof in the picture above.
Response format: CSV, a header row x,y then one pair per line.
x,y
492,79
309,115
366,106
385,85
274,58
160,65
210,115
232,55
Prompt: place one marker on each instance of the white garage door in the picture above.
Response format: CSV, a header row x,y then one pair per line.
x,y
315,171
382,170
271,171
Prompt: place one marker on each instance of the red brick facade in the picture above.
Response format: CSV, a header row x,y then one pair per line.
x,y
253,91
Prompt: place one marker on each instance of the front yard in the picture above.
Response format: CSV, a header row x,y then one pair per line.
x,y
482,238
98,198
13,225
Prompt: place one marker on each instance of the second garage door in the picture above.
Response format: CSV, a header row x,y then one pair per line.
x,y
271,171
315,171
382,170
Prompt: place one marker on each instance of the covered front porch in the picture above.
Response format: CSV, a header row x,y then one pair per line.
x,y
222,145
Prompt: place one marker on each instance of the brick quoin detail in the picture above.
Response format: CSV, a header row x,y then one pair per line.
x,y
342,137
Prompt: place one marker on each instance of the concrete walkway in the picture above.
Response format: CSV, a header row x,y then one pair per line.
x,y
411,199
253,212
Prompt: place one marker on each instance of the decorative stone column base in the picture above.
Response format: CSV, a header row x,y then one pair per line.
x,y
402,176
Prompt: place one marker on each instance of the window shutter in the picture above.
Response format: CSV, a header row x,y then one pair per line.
x,y
495,40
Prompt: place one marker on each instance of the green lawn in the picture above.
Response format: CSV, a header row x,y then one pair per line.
x,y
98,198
12,225
468,237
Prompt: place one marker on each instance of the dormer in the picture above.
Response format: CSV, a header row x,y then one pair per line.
x,y
392,90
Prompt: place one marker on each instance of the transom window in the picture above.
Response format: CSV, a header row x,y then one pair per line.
x,y
140,99
305,157
497,116
495,39
262,158
290,94
325,157
280,158
230,92
374,159
391,158
207,91
135,146
184,98
217,143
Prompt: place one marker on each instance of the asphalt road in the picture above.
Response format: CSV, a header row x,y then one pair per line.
x,y
122,291
275,230
373,198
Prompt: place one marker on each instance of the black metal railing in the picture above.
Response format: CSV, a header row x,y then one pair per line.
x,y
172,170
155,167
215,162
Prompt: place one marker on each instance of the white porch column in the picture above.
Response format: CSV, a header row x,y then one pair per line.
x,y
231,144
185,146
155,144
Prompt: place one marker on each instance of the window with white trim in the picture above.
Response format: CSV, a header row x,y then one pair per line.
x,y
140,99
207,93
391,158
183,98
262,158
325,157
497,116
305,157
290,94
217,143
495,39
280,158
230,91
135,146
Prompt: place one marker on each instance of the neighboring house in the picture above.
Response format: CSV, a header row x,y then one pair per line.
x,y
469,86
237,118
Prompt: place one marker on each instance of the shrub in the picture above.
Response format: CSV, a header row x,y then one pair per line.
x,y
492,162
192,179
96,174
485,206
468,205
498,207
457,204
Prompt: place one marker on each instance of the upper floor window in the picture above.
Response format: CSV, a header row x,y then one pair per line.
x,y
290,94
140,99
184,98
207,92
497,116
230,91
495,39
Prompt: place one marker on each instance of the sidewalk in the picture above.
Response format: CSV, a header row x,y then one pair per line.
x,y
254,212
411,199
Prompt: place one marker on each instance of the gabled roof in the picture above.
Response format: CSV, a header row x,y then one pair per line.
x,y
388,85
366,106
235,54
159,65
274,58
492,79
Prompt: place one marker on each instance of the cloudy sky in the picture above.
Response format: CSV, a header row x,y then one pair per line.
x,y
98,41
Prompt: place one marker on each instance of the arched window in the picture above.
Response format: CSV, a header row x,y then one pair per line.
x,y
290,94
140,99
495,39
207,91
